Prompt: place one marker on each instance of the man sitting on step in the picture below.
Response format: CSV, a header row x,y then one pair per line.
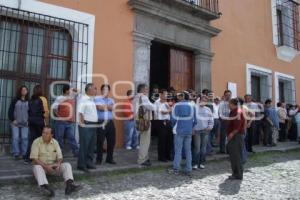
x,y
47,159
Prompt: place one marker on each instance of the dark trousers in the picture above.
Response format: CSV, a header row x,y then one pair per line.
x,y
235,150
35,131
249,137
165,143
292,135
282,132
108,133
87,142
258,130
223,132
268,130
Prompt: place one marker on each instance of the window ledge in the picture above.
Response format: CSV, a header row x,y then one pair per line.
x,y
286,53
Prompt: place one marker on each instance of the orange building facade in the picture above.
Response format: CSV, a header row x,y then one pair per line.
x,y
184,43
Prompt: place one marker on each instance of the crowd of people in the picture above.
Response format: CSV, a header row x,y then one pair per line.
x,y
187,125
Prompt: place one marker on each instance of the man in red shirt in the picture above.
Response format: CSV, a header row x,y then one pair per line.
x,y
131,135
64,110
235,136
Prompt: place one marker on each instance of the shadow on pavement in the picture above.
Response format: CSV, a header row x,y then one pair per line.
x,y
230,187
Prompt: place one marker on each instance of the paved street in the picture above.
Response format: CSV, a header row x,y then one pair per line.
x,y
267,176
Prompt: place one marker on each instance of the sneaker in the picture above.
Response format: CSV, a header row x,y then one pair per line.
x,y
163,160
146,164
235,178
98,162
91,167
188,174
202,167
17,158
112,162
173,171
83,169
195,167
138,147
47,190
231,177
128,148
27,161
71,187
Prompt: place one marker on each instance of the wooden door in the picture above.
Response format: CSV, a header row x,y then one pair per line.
x,y
181,69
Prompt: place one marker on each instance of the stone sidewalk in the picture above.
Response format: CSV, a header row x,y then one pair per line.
x,y
12,171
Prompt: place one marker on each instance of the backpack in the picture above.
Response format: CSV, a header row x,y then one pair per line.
x,y
141,123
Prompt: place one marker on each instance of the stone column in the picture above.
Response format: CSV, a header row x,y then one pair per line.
x,y
141,70
203,71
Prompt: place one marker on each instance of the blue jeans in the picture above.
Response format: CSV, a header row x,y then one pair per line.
x,y
131,135
244,155
212,135
180,142
66,130
17,134
200,144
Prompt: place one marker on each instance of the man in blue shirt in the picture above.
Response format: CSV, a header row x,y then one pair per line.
x,y
271,124
107,128
183,120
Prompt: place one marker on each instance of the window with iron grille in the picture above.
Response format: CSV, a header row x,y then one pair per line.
x,y
287,14
38,49
286,89
261,85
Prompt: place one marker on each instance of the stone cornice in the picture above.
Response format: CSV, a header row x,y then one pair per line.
x,y
155,8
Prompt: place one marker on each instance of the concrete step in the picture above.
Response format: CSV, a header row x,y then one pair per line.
x,y
12,171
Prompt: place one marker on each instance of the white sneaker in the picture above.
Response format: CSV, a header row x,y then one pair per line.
x,y
138,147
195,167
202,167
128,148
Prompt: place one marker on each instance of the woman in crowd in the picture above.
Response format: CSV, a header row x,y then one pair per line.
x,y
205,123
36,118
18,115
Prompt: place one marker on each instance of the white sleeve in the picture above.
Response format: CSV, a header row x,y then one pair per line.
x,y
57,101
81,106
293,112
147,104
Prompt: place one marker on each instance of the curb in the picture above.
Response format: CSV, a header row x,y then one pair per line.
x,y
21,179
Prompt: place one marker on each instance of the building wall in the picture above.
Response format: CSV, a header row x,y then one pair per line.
x,y
113,49
246,37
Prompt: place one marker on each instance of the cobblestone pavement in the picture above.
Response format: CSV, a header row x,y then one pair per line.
x,y
268,176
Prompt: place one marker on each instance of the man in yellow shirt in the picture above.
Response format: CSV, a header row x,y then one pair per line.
x,y
47,159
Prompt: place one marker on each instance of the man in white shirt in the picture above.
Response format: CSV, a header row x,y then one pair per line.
x,y
88,121
163,127
252,108
224,112
283,117
216,129
141,99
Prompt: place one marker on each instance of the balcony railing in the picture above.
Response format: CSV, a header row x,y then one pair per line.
x,y
210,5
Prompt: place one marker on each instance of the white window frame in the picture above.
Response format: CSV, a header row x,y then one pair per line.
x,y
64,13
284,53
277,76
251,68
